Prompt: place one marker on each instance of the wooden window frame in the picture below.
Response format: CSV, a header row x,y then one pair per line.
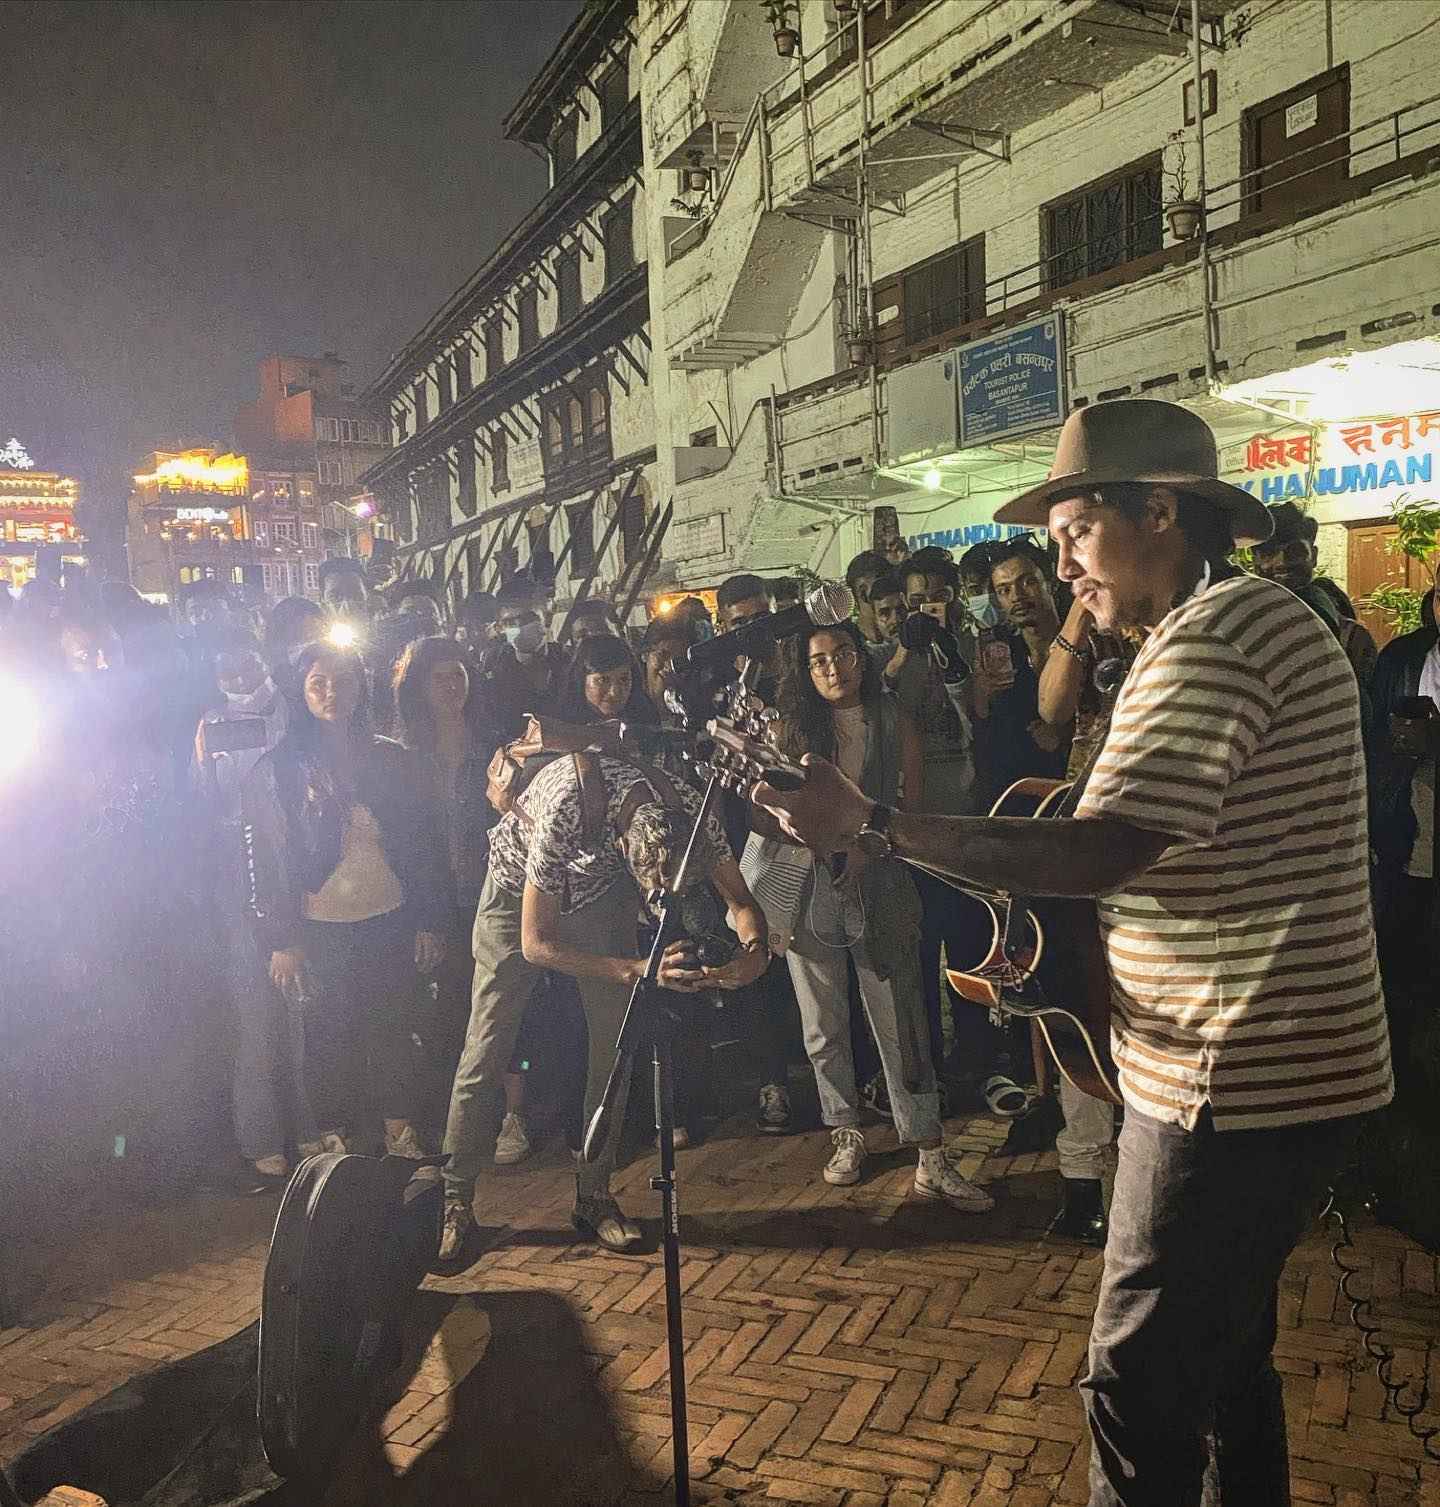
x,y
1151,162
528,303
499,460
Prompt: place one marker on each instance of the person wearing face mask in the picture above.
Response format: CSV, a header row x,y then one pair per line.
x,y
267,1078
524,672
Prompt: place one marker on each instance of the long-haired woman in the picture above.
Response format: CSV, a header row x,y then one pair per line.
x,y
867,913
436,708
349,892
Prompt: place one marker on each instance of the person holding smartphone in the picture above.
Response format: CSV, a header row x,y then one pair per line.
x,y
267,1076
1012,740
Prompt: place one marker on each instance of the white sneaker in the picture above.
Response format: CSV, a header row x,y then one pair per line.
x,y
406,1143
847,1159
512,1144
937,1178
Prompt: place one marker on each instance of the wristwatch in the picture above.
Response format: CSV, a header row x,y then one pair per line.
x,y
873,839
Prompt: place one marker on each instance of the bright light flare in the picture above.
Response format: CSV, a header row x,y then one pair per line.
x,y
197,471
19,726
931,480
343,635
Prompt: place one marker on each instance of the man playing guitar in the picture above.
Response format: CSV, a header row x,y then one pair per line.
x,y
1223,833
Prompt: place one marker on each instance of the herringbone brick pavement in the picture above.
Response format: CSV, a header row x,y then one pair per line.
x,y
847,1347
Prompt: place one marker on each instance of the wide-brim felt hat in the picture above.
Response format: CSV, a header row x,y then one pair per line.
x,y
1140,440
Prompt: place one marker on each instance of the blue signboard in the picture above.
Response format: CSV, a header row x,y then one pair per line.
x,y
1013,382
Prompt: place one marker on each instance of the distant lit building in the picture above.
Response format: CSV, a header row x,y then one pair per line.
x,y
306,420
37,519
203,515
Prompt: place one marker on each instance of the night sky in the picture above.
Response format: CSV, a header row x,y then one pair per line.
x,y
190,185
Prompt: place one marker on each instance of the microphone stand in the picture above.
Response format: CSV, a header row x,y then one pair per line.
x,y
647,1017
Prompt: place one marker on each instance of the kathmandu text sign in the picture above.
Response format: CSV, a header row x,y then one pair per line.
x,y
1342,463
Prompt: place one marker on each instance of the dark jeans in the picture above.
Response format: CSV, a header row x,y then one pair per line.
x,y
362,1057
1182,1398
1406,937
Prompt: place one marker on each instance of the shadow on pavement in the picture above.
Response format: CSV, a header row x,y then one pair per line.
x,y
526,1423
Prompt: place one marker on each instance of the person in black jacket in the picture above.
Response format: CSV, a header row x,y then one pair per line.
x,y
1403,827
350,894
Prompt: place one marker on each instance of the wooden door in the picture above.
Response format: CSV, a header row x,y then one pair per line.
x,y
1369,564
1290,149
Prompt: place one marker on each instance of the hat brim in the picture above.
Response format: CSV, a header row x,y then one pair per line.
x,y
1250,520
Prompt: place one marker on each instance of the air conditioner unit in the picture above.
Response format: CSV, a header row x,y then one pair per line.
x,y
923,400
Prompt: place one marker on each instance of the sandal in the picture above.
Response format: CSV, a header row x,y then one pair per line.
x,y
601,1217
1004,1097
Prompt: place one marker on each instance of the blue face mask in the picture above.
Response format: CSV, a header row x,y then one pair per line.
x,y
982,609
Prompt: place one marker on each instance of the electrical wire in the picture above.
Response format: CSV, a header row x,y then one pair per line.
x,y
1375,1347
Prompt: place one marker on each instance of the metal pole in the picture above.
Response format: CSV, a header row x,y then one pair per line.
x,y
1212,376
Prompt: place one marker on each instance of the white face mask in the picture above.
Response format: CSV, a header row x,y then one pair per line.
x,y
527,639
250,701
982,609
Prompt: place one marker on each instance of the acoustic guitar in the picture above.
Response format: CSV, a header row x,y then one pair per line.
x,y
1046,960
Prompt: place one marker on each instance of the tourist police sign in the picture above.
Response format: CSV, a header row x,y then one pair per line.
x,y
1013,382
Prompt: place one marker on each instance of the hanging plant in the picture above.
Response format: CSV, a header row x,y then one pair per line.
x,y
787,36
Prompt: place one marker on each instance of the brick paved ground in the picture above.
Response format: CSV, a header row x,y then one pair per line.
x,y
847,1347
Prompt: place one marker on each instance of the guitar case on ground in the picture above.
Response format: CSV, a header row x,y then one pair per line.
x,y
263,1416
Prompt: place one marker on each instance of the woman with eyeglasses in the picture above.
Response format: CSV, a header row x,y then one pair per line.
x,y
861,909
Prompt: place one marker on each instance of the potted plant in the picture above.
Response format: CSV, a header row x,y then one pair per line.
x,y
697,178
1417,537
787,38
1185,214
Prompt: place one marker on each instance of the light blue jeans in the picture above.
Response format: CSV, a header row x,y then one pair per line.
x,y
896,1013
268,1085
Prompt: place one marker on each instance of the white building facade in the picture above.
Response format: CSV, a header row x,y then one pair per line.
x,y
884,267
521,414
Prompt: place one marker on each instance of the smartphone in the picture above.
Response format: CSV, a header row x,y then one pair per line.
x,y
937,610
996,658
235,735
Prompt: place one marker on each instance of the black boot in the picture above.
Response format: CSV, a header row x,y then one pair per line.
x,y
1082,1216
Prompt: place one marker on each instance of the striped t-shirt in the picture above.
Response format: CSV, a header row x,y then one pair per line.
x,y
1243,960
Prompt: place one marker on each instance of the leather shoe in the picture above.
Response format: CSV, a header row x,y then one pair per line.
x,y
1082,1216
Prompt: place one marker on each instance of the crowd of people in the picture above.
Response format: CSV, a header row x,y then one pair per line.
x,y
335,846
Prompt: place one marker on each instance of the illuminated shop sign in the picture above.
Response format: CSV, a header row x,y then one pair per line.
x,y
1368,457
201,515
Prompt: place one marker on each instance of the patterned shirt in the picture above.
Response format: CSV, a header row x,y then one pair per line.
x,y
1243,960
548,848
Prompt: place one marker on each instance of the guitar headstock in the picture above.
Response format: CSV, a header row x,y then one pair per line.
x,y
741,759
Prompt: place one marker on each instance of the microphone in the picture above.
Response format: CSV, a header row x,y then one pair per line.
x,y
825,605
